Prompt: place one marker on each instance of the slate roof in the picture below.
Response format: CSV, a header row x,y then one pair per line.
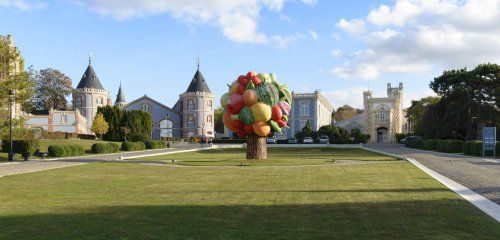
x,y
198,84
120,97
90,79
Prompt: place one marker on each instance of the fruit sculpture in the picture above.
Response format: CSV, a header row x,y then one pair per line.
x,y
256,106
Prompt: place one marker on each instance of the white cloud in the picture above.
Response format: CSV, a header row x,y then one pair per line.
x,y
22,4
336,53
238,19
360,71
282,42
314,35
418,36
354,27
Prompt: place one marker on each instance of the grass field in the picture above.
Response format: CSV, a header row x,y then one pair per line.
x,y
383,200
277,156
44,145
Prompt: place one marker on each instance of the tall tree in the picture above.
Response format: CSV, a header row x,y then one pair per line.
x,y
52,88
219,124
13,77
345,112
417,109
99,125
472,94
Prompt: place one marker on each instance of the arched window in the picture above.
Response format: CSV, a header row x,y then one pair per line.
x,y
145,107
209,119
190,104
190,120
166,128
210,103
78,102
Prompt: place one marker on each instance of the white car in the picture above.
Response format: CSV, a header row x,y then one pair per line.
x,y
272,140
324,139
308,140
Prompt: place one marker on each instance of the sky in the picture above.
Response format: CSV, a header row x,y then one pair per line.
x,y
340,47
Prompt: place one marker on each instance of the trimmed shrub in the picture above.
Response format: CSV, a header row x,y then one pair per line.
x,y
415,143
475,148
21,146
114,147
133,146
431,144
155,144
100,148
450,146
57,151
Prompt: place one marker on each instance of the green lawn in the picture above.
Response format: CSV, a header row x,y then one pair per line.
x,y
44,145
277,156
385,200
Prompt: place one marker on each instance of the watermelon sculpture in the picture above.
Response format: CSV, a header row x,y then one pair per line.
x,y
256,106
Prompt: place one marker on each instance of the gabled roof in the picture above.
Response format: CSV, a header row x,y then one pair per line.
x,y
120,97
90,79
198,84
152,100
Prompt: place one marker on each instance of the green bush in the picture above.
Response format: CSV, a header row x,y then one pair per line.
x,y
65,150
114,147
475,148
21,146
56,151
155,144
415,143
133,146
450,146
431,144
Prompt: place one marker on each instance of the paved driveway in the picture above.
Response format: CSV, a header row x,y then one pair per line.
x,y
7,169
481,175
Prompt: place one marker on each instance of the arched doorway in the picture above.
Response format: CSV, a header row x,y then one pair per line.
x,y
382,135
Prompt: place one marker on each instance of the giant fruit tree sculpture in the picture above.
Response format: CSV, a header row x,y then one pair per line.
x,y
256,107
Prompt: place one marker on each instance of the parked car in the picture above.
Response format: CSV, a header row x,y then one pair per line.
x,y
308,140
272,140
293,141
409,138
324,139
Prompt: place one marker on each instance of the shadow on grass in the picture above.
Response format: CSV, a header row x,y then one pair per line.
x,y
440,219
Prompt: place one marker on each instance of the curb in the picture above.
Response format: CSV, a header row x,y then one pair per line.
x,y
492,160
487,206
166,153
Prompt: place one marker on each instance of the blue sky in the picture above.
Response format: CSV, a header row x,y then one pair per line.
x,y
340,47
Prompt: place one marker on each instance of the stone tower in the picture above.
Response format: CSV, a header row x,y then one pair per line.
x,y
120,98
89,95
367,120
396,94
197,109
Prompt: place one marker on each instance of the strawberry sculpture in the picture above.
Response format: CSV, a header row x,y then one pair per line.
x,y
256,106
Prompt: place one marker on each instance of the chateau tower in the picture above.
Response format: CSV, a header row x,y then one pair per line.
x,y
120,98
197,108
89,95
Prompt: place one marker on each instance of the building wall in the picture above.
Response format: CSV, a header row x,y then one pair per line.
x,y
308,106
158,112
87,101
58,121
198,114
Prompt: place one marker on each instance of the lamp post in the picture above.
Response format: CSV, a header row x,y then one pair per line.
x,y
12,94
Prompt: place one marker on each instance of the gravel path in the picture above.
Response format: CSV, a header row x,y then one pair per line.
x,y
7,169
480,175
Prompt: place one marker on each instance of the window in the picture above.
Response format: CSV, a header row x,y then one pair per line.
x,y
102,100
190,104
166,128
304,108
210,104
64,119
145,107
78,102
190,120
209,119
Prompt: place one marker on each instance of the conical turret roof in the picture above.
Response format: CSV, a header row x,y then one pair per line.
x,y
198,83
90,79
120,97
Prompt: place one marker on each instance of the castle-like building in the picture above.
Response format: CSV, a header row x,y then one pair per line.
x,y
382,118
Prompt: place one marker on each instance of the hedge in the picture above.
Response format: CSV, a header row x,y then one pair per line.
x,y
475,148
133,146
450,146
431,144
65,150
105,148
415,143
155,144
21,146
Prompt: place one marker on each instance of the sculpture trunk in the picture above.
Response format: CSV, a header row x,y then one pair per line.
x,y
256,147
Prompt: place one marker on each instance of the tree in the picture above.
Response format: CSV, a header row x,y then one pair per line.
x,y
467,96
99,125
138,124
219,124
52,88
345,112
13,77
417,109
